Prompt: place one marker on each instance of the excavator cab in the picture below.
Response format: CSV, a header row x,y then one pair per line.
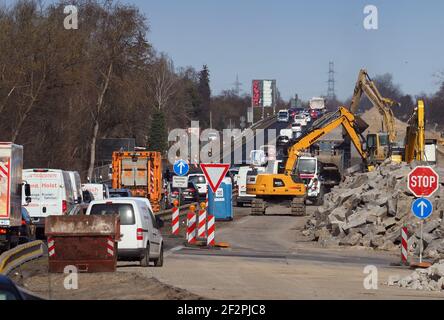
x,y
378,147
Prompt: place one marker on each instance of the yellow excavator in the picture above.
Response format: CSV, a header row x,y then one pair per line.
x,y
415,135
379,145
288,187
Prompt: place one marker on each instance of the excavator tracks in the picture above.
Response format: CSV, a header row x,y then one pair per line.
x,y
258,207
298,206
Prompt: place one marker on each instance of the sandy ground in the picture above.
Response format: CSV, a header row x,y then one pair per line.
x,y
95,286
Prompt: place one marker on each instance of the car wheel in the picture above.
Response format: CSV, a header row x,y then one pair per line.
x,y
145,261
159,261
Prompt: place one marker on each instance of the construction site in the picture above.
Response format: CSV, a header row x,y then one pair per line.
x,y
141,187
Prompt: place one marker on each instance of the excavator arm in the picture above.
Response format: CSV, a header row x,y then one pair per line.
x,y
354,126
414,137
364,84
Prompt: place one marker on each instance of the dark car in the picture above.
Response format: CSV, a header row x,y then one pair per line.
x,y
187,195
27,229
8,290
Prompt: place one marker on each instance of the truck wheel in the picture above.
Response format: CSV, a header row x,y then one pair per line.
x,y
159,261
145,261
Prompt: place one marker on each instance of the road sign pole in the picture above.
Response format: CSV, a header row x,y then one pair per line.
x,y
421,244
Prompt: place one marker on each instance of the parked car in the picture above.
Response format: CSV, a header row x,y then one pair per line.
x,y
119,193
201,183
141,239
8,289
27,229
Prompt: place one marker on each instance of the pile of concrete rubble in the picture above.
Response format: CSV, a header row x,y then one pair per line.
x,y
430,279
369,209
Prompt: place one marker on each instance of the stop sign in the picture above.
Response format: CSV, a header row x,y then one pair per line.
x,y
423,181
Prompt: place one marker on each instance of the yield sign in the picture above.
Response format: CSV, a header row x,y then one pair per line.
x,y
215,173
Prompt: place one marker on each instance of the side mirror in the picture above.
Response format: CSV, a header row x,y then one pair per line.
x,y
27,190
159,222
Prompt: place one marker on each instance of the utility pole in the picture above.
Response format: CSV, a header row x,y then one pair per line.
x,y
237,86
331,95
211,120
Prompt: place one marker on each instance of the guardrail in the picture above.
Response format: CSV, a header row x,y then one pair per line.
x,y
19,255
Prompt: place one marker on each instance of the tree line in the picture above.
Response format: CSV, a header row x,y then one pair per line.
x,y
62,90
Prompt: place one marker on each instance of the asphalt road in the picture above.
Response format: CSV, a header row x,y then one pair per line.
x,y
269,258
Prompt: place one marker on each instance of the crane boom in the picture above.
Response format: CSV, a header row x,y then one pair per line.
x,y
353,125
364,84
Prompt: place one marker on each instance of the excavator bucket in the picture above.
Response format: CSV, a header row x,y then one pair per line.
x,y
360,125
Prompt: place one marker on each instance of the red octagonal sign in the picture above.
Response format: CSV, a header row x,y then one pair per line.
x,y
423,181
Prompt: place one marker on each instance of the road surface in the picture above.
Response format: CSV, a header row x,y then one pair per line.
x,y
268,258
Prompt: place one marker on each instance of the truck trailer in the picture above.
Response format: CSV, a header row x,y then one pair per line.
x,y
141,173
11,166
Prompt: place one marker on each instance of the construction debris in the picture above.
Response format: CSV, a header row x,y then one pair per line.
x,y
369,209
430,279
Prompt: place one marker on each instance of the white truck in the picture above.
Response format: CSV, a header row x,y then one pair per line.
x,y
317,103
11,166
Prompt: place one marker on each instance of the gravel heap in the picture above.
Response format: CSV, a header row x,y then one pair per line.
x,y
369,209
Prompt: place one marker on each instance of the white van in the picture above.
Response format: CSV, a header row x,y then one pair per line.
x,y
51,194
243,197
140,236
76,185
283,116
100,191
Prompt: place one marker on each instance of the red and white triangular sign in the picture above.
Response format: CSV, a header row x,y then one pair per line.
x,y
215,173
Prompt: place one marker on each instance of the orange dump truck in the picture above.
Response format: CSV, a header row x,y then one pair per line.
x,y
141,173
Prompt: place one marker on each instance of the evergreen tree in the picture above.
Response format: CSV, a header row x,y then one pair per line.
x,y
204,90
158,136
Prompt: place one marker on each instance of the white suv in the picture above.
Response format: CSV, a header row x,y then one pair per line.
x,y
140,237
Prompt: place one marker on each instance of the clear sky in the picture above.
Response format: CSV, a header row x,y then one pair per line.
x,y
293,41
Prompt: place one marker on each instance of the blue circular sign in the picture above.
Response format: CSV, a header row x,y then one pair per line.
x,y
422,208
181,168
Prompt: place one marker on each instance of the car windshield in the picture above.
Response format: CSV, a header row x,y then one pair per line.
x,y
306,166
283,114
124,210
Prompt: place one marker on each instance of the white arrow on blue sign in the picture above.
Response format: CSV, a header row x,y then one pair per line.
x,y
422,208
181,168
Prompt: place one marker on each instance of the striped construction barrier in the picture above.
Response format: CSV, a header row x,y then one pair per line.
x,y
51,246
191,225
404,246
175,218
202,221
211,230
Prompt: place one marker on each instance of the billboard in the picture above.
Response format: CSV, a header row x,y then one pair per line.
x,y
263,93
